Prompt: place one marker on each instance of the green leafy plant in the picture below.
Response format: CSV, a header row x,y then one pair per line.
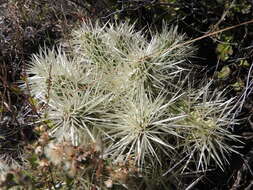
x,y
225,49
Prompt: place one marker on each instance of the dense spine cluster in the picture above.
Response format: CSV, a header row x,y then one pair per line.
x,y
132,88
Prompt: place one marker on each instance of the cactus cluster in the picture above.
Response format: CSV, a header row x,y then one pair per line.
x,y
131,89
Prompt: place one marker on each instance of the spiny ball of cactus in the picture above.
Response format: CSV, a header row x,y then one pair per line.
x,y
51,71
125,85
70,91
206,129
141,127
76,113
118,51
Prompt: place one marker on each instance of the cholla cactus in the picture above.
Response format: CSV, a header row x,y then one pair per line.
x,y
206,129
127,59
140,127
75,113
128,88
51,71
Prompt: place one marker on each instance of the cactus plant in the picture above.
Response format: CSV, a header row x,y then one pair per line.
x,y
128,87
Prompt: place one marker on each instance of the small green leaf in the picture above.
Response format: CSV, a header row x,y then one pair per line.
x,y
224,73
239,85
224,51
244,63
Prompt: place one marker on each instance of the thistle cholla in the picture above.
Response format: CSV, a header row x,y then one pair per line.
x,y
129,88
141,127
51,71
207,129
127,59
